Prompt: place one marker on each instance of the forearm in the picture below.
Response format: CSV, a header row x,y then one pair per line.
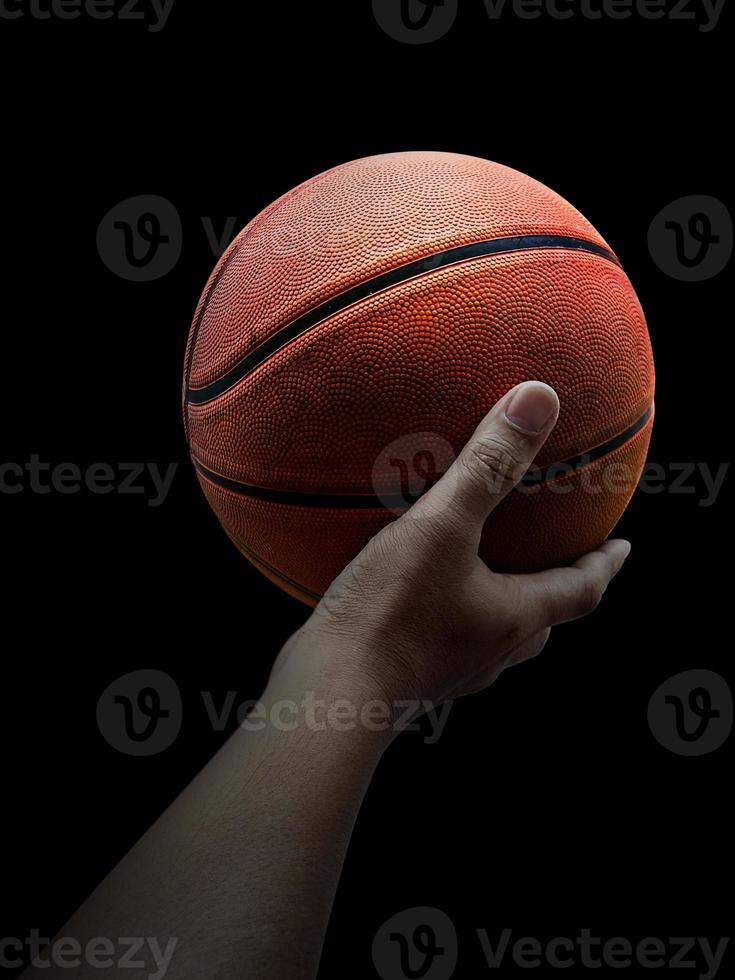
x,y
241,870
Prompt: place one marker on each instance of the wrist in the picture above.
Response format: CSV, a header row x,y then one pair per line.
x,y
325,686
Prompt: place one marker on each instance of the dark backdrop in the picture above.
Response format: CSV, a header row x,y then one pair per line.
x,y
548,805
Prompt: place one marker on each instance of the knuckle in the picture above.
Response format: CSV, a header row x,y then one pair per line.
x,y
513,636
389,539
411,537
537,645
589,597
542,639
354,584
496,461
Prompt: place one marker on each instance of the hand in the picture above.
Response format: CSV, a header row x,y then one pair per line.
x,y
244,865
417,614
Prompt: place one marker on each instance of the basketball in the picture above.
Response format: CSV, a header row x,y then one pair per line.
x,y
354,334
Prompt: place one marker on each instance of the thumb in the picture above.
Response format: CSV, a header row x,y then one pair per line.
x,y
498,455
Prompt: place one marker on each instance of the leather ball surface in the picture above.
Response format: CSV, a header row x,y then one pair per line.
x,y
354,334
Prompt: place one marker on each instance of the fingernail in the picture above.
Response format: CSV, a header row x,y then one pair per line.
x,y
532,407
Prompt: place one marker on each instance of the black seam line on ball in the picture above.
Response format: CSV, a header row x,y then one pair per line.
x,y
195,332
452,256
364,501
556,470
277,573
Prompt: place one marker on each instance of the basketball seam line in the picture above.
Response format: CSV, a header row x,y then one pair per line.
x,y
233,250
430,263
396,501
255,559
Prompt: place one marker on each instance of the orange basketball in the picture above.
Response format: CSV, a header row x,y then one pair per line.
x,y
357,330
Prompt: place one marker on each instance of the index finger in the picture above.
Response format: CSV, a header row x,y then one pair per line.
x,y
564,594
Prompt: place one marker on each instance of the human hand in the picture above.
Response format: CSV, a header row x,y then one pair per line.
x,y
417,614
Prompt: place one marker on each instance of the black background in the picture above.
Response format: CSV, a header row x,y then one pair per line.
x,y
547,806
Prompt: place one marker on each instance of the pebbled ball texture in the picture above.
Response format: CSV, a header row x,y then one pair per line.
x,y
429,355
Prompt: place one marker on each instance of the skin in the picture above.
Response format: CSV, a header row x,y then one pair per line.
x,y
242,868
